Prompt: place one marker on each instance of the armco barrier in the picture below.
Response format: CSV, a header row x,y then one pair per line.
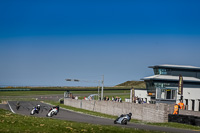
x,y
145,112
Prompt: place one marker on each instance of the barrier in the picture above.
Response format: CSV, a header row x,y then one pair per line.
x,y
185,119
146,112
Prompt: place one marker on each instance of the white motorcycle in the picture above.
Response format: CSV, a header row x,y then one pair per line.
x,y
53,111
123,119
35,110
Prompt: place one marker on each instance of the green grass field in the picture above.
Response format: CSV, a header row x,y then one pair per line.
x,y
64,88
120,93
10,122
29,93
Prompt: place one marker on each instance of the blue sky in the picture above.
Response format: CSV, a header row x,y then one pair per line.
x,y
42,43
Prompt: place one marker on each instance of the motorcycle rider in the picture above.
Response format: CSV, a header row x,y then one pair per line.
x,y
127,116
37,108
130,114
55,107
55,111
18,105
122,115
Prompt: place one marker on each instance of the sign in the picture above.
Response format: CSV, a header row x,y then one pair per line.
x,y
180,85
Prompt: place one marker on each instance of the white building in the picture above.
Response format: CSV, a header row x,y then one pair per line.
x,y
163,86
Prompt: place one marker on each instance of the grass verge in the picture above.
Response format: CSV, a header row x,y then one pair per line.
x,y
10,122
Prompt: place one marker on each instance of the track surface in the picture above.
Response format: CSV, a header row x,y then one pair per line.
x,y
63,114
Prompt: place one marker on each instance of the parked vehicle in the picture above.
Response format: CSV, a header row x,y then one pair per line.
x,y
92,97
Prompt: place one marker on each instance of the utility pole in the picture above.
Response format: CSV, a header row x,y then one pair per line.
x,y
102,87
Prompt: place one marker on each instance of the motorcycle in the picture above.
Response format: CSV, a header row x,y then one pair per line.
x,y
35,110
123,119
53,111
17,105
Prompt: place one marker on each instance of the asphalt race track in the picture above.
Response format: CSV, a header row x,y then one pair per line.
x,y
64,114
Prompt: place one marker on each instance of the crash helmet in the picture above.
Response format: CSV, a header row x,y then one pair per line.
x,y
130,114
38,105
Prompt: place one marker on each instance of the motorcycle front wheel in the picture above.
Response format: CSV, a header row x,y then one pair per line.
x,y
124,122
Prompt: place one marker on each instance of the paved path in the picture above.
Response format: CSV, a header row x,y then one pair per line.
x,y
79,117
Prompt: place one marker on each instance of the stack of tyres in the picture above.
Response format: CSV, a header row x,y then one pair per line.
x,y
197,122
191,120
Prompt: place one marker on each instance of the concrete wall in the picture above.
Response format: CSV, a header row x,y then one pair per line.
x,y
189,112
145,112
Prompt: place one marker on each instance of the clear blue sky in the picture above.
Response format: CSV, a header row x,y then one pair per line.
x,y
42,43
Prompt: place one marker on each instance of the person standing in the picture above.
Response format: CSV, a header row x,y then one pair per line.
x,y
181,105
176,109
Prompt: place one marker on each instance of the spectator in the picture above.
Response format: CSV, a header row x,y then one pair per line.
x,y
108,99
76,97
120,100
104,98
113,99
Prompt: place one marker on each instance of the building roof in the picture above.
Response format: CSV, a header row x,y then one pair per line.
x,y
175,66
171,78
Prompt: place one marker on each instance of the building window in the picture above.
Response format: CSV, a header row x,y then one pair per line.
x,y
163,93
150,85
193,105
199,105
186,104
160,71
162,85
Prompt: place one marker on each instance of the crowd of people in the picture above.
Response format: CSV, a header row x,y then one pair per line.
x,y
139,100
114,99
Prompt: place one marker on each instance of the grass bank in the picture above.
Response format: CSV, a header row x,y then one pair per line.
x,y
10,122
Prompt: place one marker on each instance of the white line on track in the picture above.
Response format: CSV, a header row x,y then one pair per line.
x,y
11,108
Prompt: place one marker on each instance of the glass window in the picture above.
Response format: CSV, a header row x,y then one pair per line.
x,y
166,94
156,72
160,71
